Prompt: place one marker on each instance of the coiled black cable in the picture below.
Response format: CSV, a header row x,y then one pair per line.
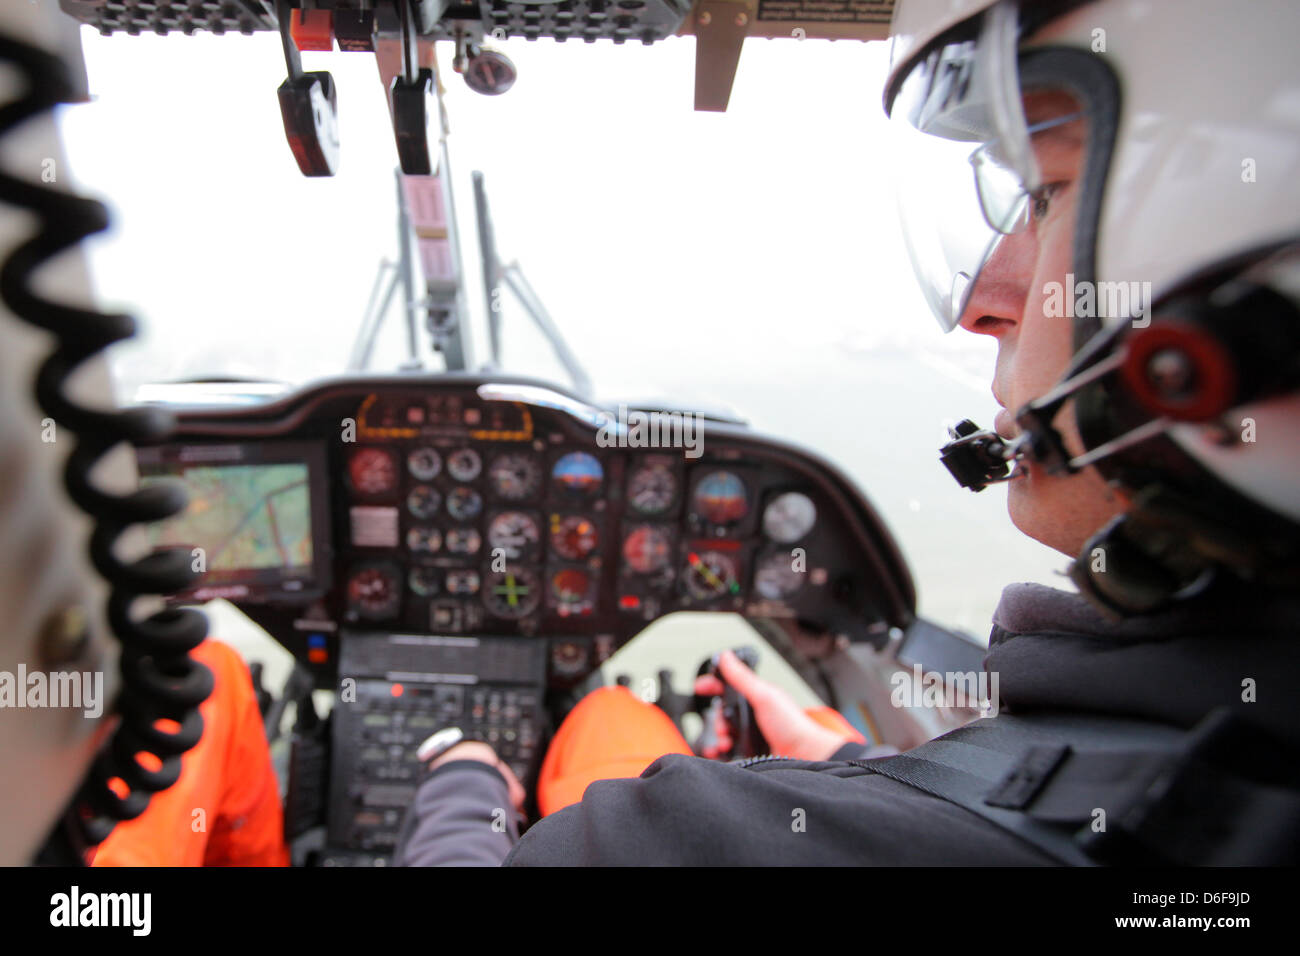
x,y
160,681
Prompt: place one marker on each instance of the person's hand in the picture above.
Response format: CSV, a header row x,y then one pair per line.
x,y
789,731
482,752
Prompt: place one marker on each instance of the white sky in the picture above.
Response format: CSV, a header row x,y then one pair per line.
x,y
750,259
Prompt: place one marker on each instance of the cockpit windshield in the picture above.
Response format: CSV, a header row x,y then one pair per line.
x,y
747,263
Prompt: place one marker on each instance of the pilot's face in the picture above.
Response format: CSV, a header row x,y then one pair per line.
x,y
1008,303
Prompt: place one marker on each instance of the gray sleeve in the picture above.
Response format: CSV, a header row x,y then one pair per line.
x,y
461,816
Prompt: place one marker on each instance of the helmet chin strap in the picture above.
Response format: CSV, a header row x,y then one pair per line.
x,y
1140,562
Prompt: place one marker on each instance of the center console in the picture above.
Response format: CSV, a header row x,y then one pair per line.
x,y
396,690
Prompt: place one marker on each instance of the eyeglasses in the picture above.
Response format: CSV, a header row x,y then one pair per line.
x,y
1005,200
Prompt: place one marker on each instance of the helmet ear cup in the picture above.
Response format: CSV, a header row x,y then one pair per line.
x,y
1220,342
1180,370
1223,341
1211,348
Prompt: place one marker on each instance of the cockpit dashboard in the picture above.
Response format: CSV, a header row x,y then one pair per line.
x,y
461,506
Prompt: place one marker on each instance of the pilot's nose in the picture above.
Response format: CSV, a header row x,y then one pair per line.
x,y
997,301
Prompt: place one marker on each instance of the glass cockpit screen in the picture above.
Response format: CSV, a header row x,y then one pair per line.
x,y
253,521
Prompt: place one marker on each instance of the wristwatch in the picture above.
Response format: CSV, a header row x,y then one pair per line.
x,y
438,743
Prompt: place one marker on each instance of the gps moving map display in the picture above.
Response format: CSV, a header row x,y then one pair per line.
x,y
252,520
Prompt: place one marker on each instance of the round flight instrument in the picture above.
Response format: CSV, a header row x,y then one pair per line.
x,y
463,541
464,464
374,592
422,501
776,579
578,473
573,536
720,498
513,593
423,539
571,592
647,549
463,581
424,464
514,476
464,503
652,488
424,581
569,658
711,574
513,532
372,471
789,517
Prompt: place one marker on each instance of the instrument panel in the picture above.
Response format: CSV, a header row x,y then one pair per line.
x,y
457,505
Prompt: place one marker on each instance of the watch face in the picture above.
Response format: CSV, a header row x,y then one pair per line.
x,y
439,743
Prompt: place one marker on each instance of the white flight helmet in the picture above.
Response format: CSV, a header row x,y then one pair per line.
x,y
1190,191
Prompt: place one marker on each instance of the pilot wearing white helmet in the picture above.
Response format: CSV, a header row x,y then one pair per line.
x,y
1109,189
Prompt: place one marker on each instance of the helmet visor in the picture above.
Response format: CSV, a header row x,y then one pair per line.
x,y
969,175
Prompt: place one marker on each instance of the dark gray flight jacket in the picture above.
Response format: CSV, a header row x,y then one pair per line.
x,y
1052,652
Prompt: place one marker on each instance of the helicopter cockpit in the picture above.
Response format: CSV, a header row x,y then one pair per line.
x,y
494,542
470,546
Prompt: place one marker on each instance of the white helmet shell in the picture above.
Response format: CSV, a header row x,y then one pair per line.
x,y
1205,169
